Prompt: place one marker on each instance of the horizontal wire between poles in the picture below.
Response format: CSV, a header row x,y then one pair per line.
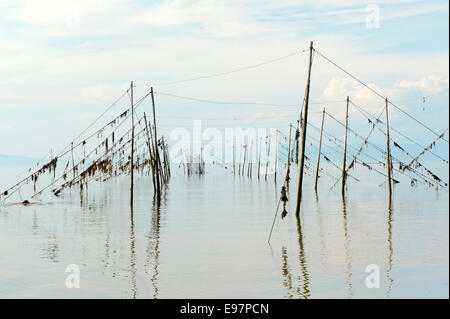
x,y
238,102
378,94
224,73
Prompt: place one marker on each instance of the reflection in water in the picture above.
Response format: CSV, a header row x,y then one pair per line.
x,y
153,247
302,290
323,248
128,261
348,254
132,255
51,250
286,272
391,251
305,293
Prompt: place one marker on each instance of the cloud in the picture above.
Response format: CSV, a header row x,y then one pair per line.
x,y
339,88
430,84
68,57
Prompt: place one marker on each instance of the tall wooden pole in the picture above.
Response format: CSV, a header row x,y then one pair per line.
x,y
132,146
320,150
150,153
158,184
388,151
305,121
344,173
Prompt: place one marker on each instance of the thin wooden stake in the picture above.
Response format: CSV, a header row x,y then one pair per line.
x,y
287,178
158,184
245,155
319,153
240,159
249,166
388,151
276,156
267,159
132,146
259,155
73,161
234,157
305,121
344,172
150,152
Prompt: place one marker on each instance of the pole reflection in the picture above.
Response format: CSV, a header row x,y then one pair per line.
x,y
348,254
153,247
286,272
323,248
302,290
132,255
390,250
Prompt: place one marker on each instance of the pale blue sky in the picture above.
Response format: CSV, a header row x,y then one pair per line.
x,y
62,62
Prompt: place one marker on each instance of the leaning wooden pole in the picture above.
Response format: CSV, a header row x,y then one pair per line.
x,y
132,146
320,151
150,153
156,153
344,172
388,151
304,125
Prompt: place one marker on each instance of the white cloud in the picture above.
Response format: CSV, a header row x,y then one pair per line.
x,y
430,84
58,55
340,87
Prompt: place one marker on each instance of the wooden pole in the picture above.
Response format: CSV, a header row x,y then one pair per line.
x,y
132,146
305,121
250,158
320,148
150,152
240,159
388,151
276,156
259,155
344,173
234,157
245,155
288,158
267,159
297,135
289,147
73,161
158,184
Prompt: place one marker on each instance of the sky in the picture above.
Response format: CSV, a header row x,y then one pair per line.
x,y
62,63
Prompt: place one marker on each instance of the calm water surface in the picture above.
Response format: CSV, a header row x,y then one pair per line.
x,y
208,239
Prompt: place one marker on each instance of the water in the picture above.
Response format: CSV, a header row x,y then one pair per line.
x,y
208,239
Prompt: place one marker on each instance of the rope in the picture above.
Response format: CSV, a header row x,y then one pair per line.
x,y
378,94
